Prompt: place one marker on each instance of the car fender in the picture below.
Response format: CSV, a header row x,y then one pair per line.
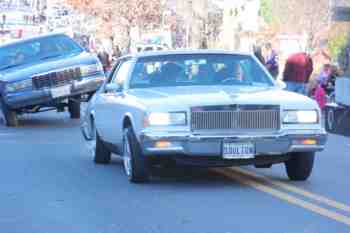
x,y
136,126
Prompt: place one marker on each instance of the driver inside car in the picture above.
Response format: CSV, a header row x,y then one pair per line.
x,y
232,72
169,74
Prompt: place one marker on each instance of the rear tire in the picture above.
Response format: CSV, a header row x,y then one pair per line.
x,y
10,116
74,108
136,165
299,167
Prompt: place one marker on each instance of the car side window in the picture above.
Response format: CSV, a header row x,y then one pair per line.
x,y
122,73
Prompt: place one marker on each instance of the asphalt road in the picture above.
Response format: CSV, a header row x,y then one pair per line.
x,y
49,184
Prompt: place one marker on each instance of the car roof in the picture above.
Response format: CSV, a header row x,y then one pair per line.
x,y
146,54
28,39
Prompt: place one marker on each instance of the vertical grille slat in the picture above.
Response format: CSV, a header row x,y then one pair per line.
x,y
241,119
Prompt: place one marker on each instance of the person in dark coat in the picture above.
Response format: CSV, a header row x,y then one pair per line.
x,y
297,72
258,54
117,52
103,56
272,61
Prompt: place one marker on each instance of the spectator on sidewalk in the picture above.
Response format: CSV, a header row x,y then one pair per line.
x,y
117,52
104,58
320,95
272,61
325,74
297,72
258,54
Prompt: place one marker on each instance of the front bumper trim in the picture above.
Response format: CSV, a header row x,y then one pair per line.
x,y
306,148
195,145
19,100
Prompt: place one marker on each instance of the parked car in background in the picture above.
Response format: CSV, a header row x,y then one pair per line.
x,y
149,47
46,73
200,108
338,111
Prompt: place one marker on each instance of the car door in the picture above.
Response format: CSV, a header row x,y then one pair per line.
x,y
109,106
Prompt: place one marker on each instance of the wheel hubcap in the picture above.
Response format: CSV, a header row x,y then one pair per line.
x,y
91,143
2,115
127,156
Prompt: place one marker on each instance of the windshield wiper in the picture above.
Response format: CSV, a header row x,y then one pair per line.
x,y
10,66
50,56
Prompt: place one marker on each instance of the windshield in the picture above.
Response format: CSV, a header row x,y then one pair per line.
x,y
37,49
198,69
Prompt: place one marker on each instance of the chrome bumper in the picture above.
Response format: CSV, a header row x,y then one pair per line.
x,y
195,145
18,100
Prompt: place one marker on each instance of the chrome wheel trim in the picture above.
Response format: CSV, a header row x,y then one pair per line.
x,y
127,156
91,143
330,119
2,115
2,118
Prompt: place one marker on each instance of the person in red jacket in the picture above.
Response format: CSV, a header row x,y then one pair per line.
x,y
297,72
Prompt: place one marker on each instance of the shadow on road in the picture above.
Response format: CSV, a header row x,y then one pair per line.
x,y
178,175
344,131
45,120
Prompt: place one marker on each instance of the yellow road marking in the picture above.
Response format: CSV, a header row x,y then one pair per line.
x,y
291,188
284,196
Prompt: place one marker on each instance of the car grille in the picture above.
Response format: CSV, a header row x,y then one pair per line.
x,y
57,78
236,117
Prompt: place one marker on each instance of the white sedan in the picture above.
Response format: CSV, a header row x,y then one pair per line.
x,y
200,108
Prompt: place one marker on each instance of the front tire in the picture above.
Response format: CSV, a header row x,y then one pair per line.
x,y
9,115
299,166
74,108
101,154
136,165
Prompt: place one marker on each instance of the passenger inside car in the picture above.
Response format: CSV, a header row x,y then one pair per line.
x,y
205,74
47,49
18,58
168,75
230,73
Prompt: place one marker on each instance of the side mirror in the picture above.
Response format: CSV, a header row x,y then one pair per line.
x,y
113,87
280,84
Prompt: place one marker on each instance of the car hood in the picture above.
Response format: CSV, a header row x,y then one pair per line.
x,y
27,70
182,98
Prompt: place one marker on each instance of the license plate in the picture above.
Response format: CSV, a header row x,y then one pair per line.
x,y
60,91
233,150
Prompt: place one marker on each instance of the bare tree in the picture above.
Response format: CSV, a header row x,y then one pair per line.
x,y
139,13
310,16
125,13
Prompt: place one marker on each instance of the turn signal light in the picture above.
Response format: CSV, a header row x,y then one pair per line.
x,y
309,142
162,144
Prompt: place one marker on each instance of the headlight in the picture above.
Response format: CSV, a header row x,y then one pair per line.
x,y
20,85
300,117
88,70
164,119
